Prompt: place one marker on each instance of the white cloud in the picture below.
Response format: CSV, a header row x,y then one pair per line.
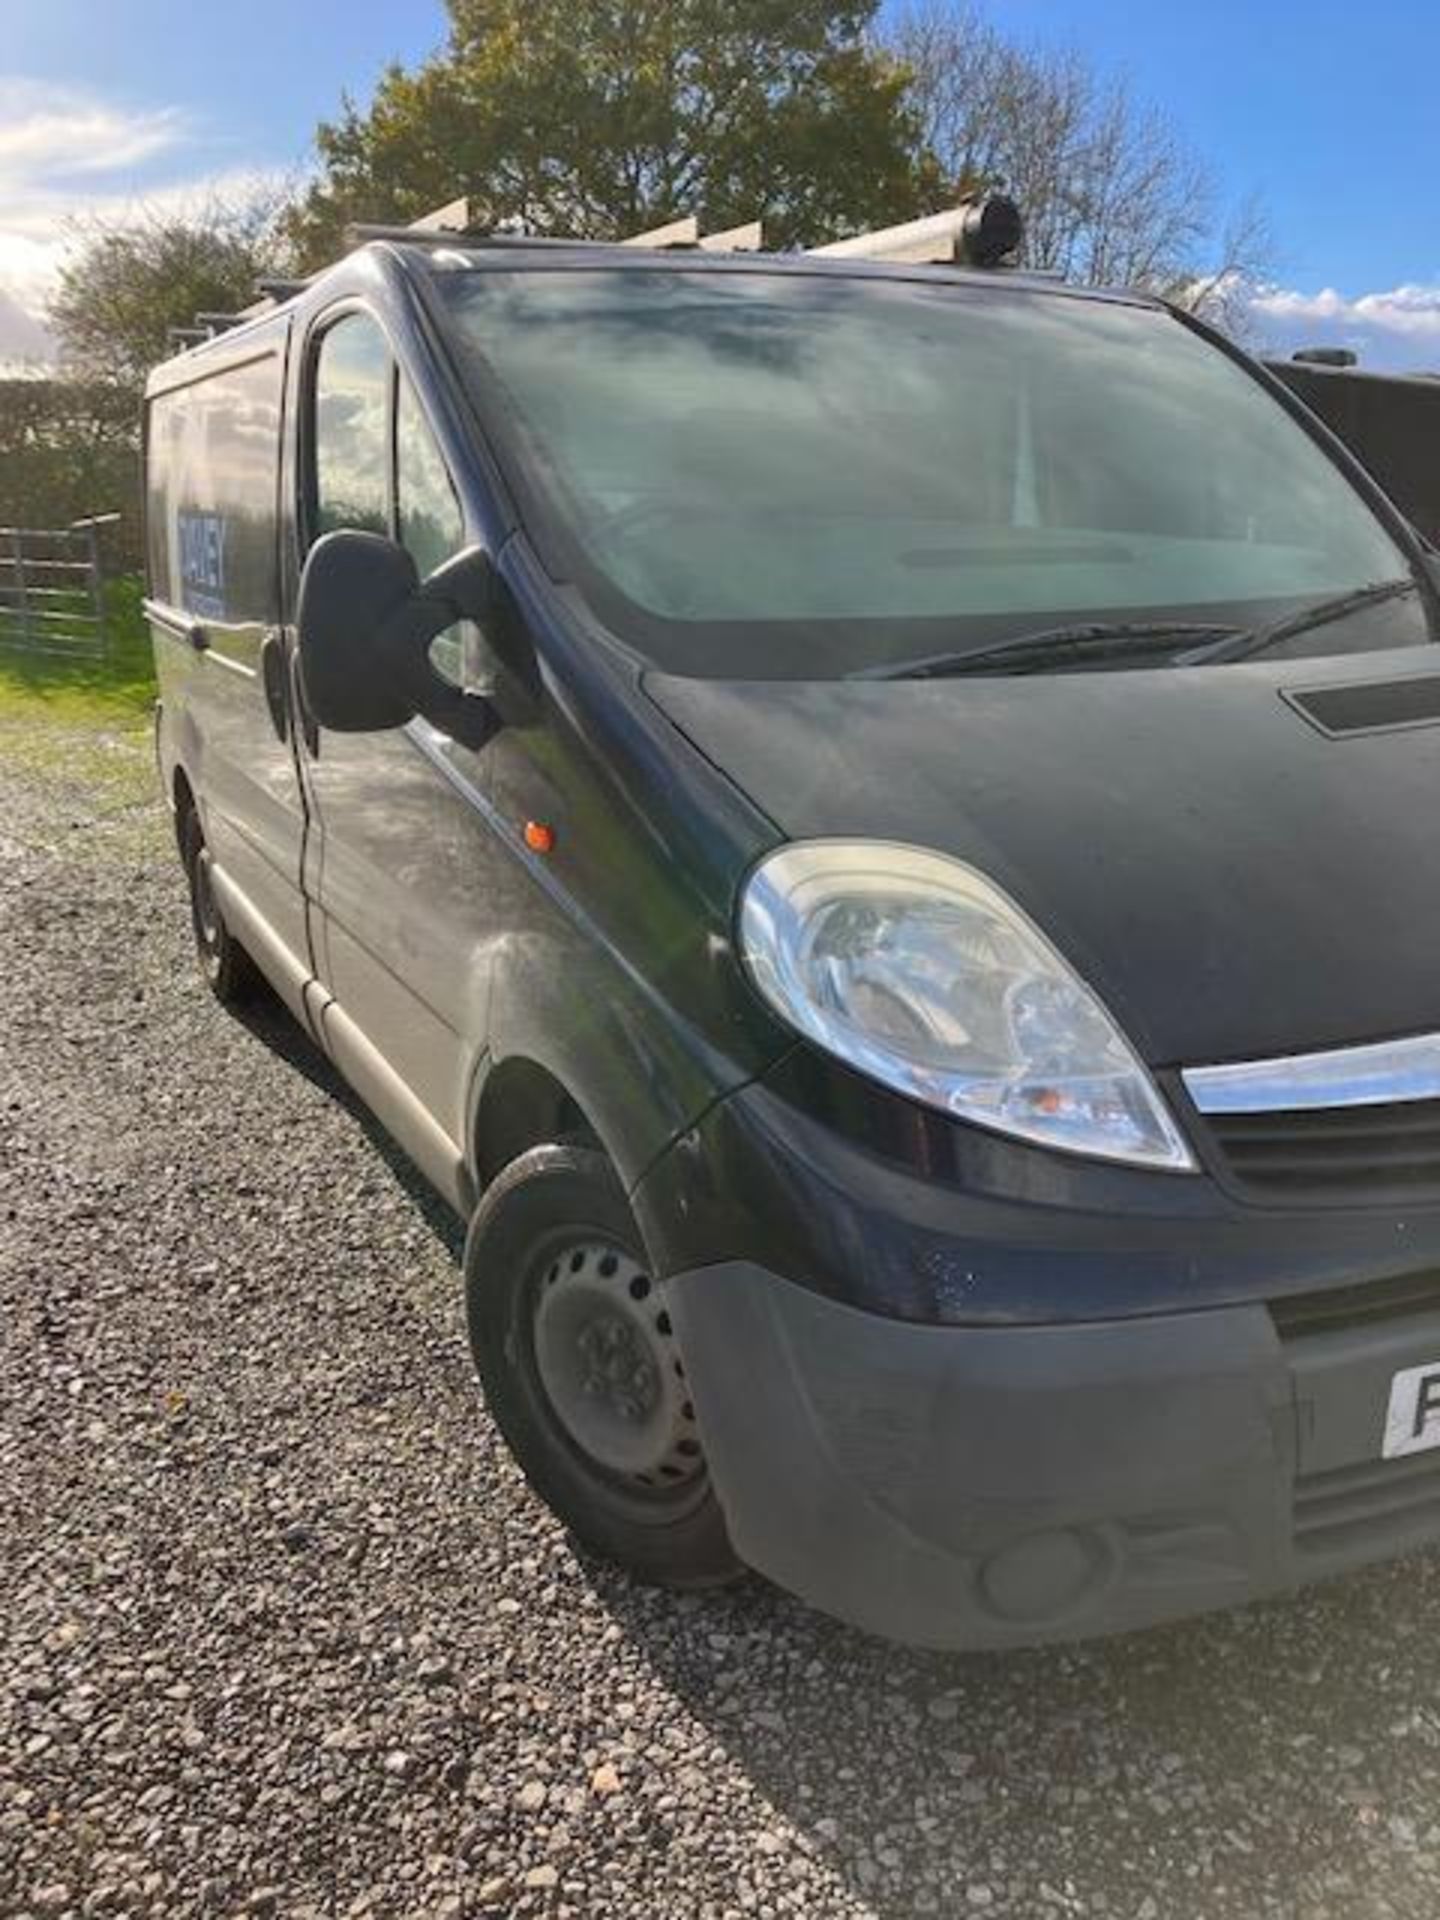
x,y
66,155
60,151
1394,330
23,340
27,265
54,133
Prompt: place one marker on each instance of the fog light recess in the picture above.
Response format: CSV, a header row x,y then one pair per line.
x,y
1049,1577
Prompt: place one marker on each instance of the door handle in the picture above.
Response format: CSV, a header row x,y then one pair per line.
x,y
304,719
173,620
272,674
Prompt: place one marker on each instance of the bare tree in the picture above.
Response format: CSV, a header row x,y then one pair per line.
x,y
1110,193
1242,259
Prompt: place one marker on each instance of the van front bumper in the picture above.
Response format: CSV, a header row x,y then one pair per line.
x,y
996,1486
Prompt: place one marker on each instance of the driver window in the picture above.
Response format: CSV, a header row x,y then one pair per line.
x,y
352,395
431,528
430,524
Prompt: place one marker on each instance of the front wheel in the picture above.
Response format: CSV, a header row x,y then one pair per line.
x,y
582,1370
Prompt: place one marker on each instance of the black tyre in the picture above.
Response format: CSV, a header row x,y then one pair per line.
x,y
582,1370
229,971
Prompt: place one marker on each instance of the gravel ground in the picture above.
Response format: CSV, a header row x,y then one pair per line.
x,y
285,1633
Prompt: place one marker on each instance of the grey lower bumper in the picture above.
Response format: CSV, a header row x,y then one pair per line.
x,y
960,1487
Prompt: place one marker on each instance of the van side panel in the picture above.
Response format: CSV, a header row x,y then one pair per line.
x,y
213,453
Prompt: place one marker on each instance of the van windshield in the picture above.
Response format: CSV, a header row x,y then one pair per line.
x,y
754,474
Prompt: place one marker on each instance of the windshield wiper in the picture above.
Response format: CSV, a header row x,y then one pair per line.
x,y
1082,643
1091,642
1241,646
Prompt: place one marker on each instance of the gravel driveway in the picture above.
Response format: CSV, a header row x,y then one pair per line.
x,y
285,1633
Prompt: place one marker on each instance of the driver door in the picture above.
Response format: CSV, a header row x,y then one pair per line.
x,y
400,848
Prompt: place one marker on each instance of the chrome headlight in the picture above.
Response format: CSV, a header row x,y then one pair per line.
x,y
920,972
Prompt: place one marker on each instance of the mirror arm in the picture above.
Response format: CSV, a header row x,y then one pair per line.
x,y
468,718
465,582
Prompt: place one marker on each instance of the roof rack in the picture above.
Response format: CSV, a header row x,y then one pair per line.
x,y
983,232
748,238
1326,356
361,232
458,221
674,233
977,233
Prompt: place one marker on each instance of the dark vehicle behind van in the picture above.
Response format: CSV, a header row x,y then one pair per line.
x,y
1390,422
872,831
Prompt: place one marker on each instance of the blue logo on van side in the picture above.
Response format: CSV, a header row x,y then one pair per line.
x,y
202,563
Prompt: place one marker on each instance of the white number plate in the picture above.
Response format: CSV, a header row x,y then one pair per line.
x,y
1412,1420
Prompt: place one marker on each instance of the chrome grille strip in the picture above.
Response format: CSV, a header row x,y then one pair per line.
x,y
1389,1072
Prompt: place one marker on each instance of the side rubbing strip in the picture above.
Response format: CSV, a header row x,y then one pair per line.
x,y
1381,1075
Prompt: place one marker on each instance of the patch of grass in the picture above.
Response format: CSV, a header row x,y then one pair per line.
x,y
77,771
75,739
113,690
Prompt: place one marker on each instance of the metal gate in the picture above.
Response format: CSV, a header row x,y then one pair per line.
x,y
52,596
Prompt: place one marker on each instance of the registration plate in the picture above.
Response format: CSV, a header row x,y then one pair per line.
x,y
1412,1420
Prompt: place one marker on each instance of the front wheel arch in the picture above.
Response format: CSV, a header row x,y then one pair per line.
x,y
518,1105
549,1201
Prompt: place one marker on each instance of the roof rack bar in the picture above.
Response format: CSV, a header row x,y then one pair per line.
x,y
358,232
985,232
456,216
675,233
977,233
749,238
457,219
363,231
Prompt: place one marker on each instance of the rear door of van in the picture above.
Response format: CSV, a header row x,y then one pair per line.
x,y
214,432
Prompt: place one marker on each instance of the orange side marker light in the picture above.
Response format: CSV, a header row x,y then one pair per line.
x,y
539,837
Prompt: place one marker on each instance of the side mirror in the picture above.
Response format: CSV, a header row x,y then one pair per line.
x,y
365,625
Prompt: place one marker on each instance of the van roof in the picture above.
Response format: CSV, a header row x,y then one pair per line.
x,y
502,253
431,254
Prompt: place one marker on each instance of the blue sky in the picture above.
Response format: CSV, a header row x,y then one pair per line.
x,y
1327,112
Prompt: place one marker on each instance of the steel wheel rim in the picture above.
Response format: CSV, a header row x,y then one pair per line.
x,y
610,1366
